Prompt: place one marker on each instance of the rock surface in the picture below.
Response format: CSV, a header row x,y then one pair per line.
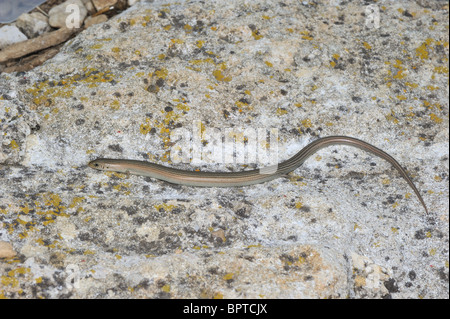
x,y
344,225
10,35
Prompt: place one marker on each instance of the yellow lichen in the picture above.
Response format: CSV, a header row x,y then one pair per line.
x,y
162,73
14,145
422,50
228,276
306,35
256,35
435,118
367,46
199,43
218,295
165,288
307,123
165,207
46,92
220,77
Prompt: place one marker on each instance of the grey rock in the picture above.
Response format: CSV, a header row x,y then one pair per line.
x,y
89,6
132,2
10,34
33,24
103,4
343,225
95,20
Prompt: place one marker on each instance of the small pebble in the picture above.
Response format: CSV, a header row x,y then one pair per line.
x,y
103,4
33,24
95,20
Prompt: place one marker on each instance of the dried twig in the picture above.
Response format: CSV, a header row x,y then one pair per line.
x,y
44,41
33,61
42,11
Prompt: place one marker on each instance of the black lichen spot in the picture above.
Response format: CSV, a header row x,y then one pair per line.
x,y
305,208
226,113
242,212
123,66
407,14
443,275
252,27
287,260
356,99
116,148
391,200
139,220
84,236
35,128
162,15
420,234
391,285
292,238
213,270
153,88
178,21
245,101
123,26
160,82
131,210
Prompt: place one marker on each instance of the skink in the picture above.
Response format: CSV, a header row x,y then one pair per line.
x,y
243,178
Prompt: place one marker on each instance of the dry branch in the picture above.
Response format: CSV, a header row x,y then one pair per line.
x,y
44,41
33,61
